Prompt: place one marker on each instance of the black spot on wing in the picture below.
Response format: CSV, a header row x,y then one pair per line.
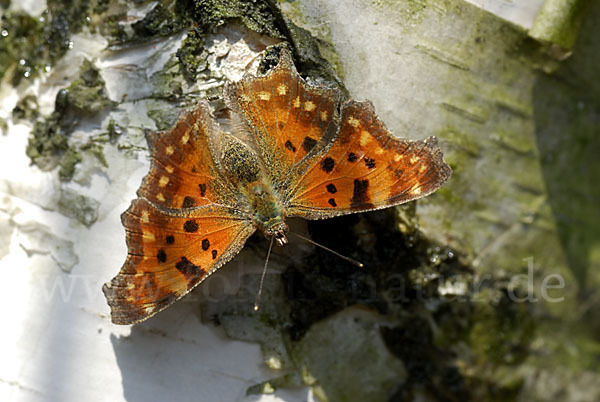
x,y
331,202
190,226
188,202
308,143
331,188
161,256
352,157
202,187
205,244
290,146
360,197
214,254
189,269
170,239
327,165
369,162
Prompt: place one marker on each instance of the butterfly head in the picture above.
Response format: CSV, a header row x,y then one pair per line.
x,y
277,230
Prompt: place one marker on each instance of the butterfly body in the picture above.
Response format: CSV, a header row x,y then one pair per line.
x,y
257,194
305,152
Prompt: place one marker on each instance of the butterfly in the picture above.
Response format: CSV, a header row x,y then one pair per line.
x,y
297,150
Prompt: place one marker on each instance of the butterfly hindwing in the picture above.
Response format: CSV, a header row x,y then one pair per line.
x,y
366,168
287,117
183,171
169,253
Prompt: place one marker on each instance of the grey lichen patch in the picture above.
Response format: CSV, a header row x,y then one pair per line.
x,y
40,240
330,359
79,207
169,82
163,114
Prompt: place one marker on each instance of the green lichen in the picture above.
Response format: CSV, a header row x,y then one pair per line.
x,y
87,94
26,109
34,44
97,150
192,55
67,165
3,126
49,145
168,83
22,48
258,16
114,131
165,19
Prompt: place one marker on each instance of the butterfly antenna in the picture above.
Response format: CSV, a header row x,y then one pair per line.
x,y
350,260
262,278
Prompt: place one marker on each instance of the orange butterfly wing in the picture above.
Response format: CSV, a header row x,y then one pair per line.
x,y
183,172
366,168
169,253
286,117
185,225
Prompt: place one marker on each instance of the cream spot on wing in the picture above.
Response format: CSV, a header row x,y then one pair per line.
x,y
149,236
169,169
379,151
296,102
169,150
353,122
282,89
323,115
149,310
185,138
263,95
417,191
309,106
145,217
160,197
245,98
414,159
398,158
422,169
365,138
163,181
130,286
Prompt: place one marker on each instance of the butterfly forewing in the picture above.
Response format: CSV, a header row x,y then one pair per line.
x,y
287,117
183,172
170,252
366,168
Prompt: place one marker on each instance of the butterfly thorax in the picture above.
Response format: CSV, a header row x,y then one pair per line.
x,y
243,168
